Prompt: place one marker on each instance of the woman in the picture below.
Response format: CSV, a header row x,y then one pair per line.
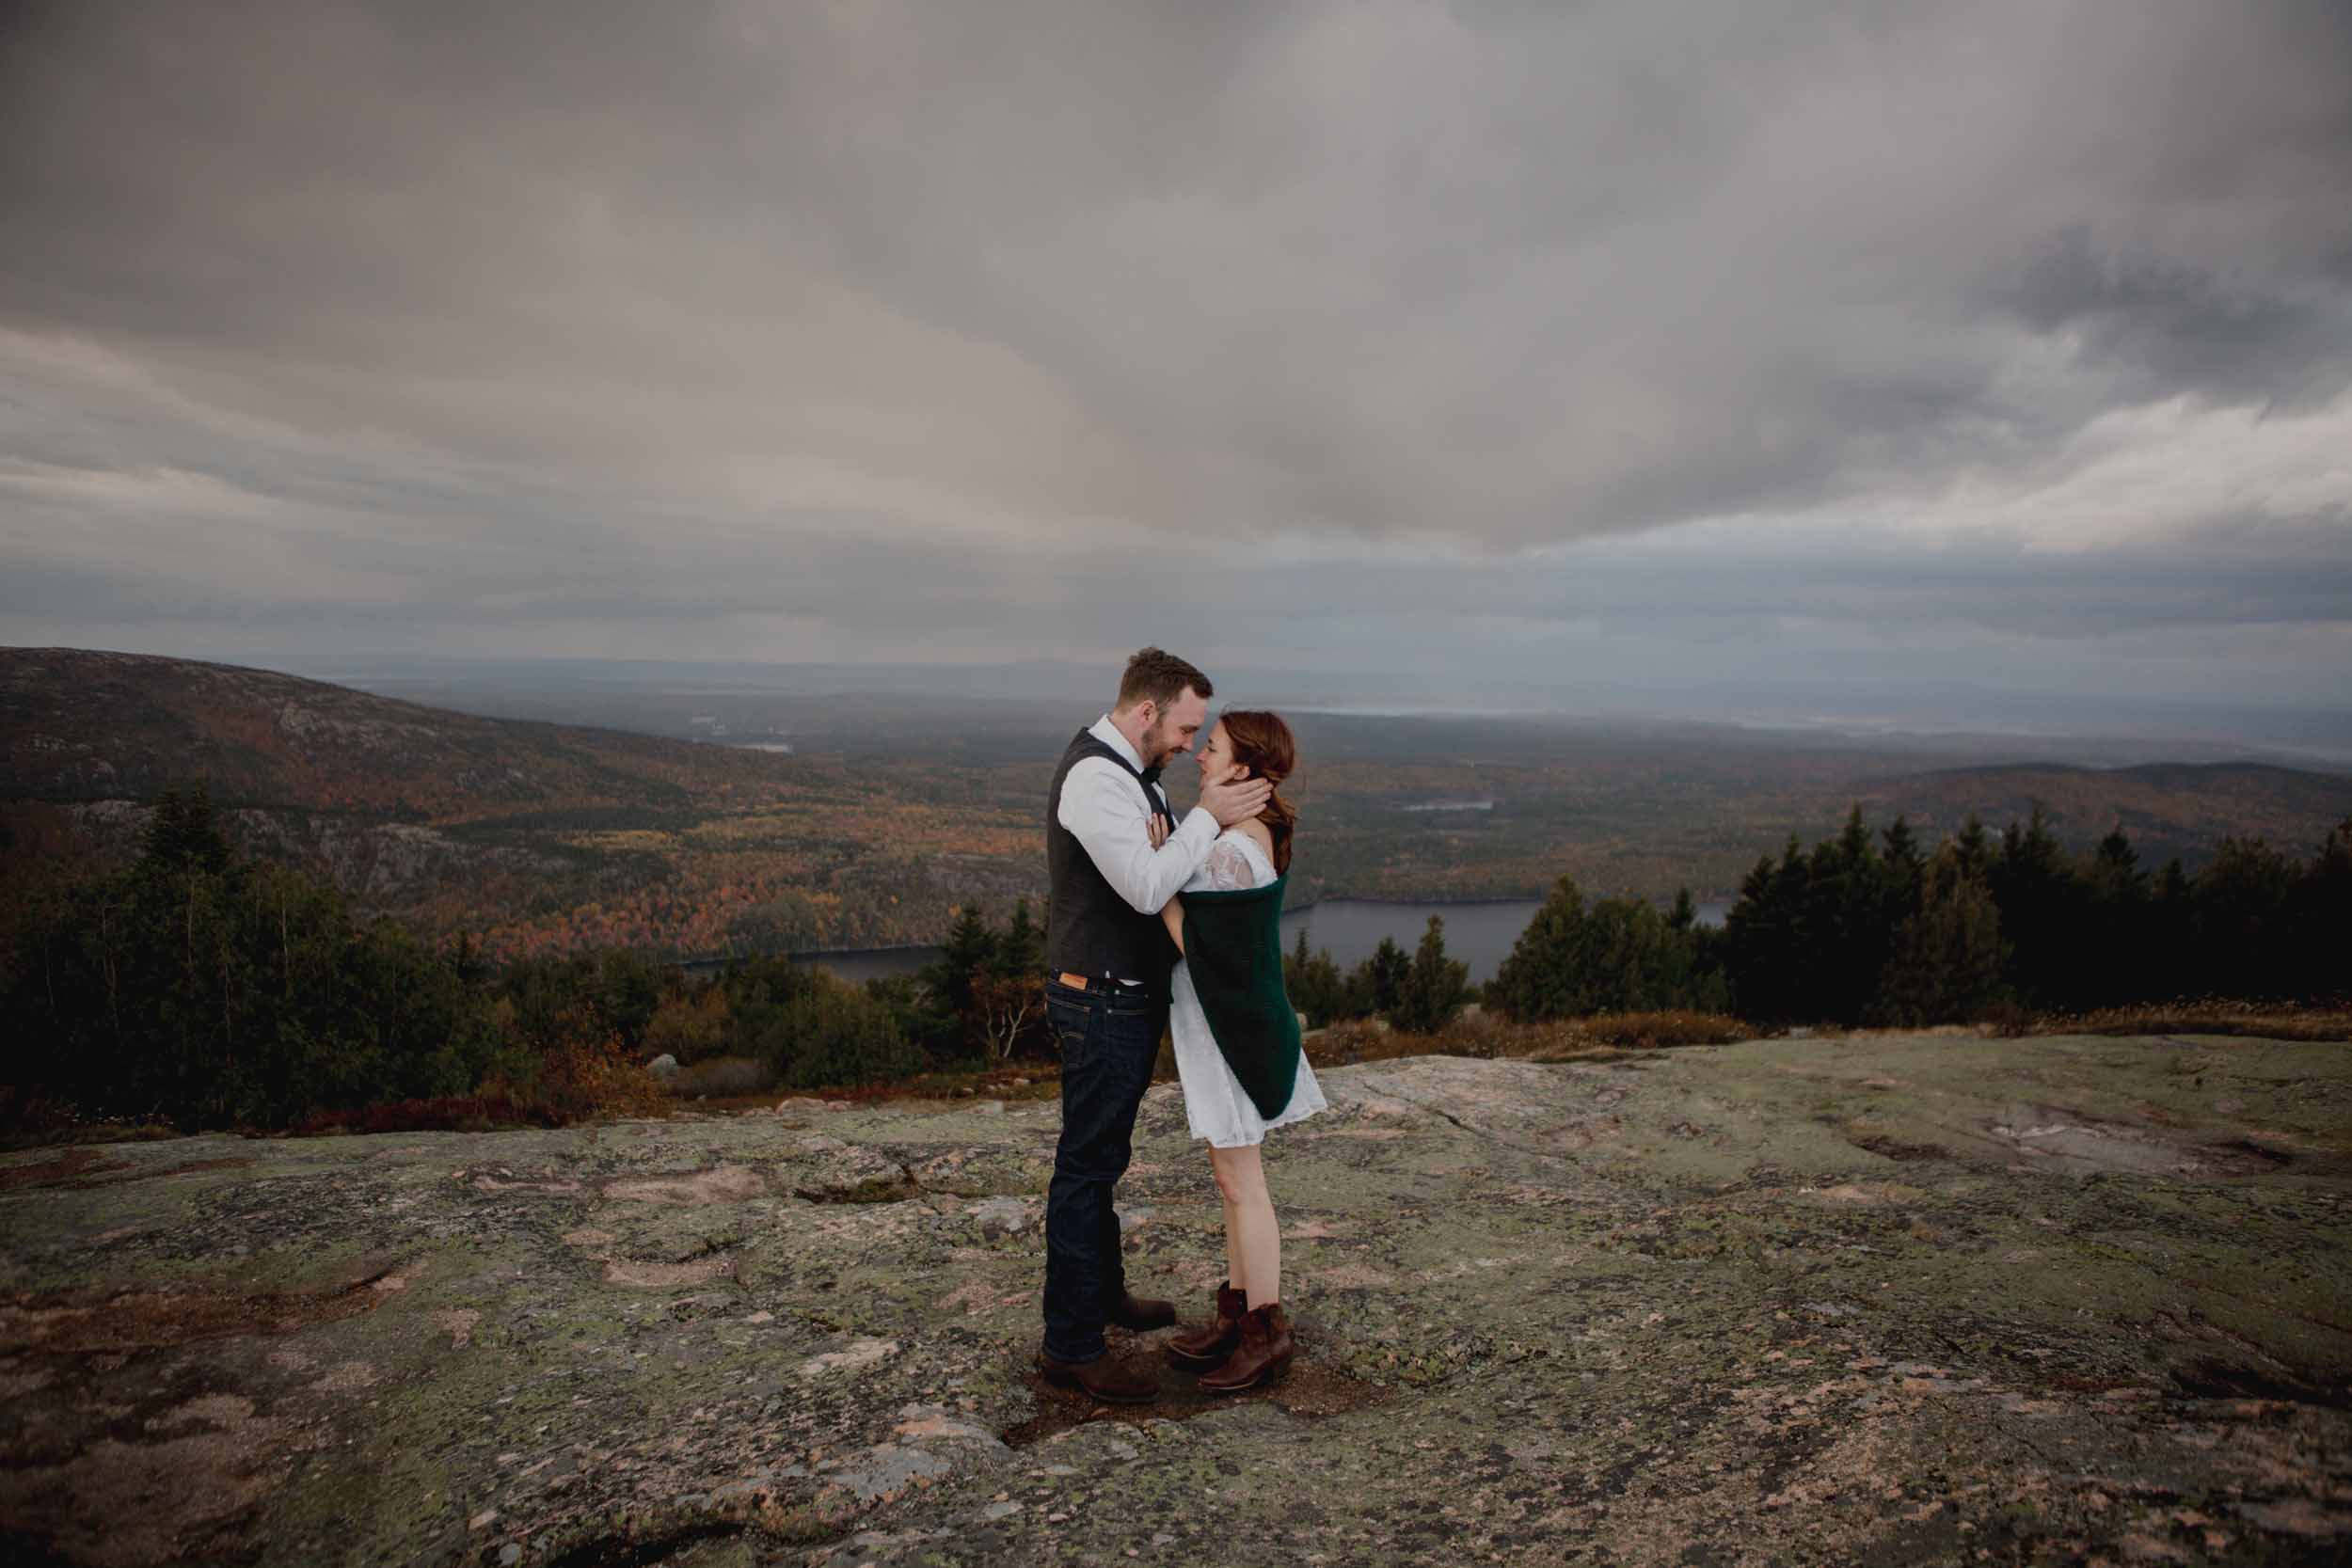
x,y
1237,1052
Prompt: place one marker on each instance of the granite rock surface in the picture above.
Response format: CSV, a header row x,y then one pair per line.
x,y
1892,1299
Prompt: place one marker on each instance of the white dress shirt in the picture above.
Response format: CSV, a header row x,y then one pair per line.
x,y
1104,809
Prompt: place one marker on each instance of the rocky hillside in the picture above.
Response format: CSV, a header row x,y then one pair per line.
x,y
1898,1299
83,726
535,838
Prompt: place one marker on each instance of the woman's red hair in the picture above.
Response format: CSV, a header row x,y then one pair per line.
x,y
1262,742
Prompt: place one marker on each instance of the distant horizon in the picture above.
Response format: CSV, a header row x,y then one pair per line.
x,y
1860,708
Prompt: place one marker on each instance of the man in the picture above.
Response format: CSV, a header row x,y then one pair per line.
x,y
1116,855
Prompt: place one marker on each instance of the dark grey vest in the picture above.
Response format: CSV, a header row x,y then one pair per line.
x,y
1089,929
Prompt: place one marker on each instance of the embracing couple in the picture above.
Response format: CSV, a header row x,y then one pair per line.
x,y
1155,924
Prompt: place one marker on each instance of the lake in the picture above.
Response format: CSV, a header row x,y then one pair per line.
x,y
1480,934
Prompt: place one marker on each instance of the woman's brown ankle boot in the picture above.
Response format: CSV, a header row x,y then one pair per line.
x,y
1211,1343
1263,1355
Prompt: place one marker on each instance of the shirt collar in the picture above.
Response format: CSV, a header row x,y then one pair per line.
x,y
1108,733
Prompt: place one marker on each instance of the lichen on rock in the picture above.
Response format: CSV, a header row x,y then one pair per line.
x,y
1902,1298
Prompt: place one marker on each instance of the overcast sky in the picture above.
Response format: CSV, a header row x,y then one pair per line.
x,y
2005,342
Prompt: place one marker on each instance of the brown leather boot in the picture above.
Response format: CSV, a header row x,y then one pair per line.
x,y
1142,1313
1109,1378
1204,1347
1264,1355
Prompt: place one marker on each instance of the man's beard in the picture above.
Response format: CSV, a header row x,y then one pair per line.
x,y
1159,744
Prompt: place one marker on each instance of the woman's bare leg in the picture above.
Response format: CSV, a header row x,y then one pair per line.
x,y
1236,1271
1253,1243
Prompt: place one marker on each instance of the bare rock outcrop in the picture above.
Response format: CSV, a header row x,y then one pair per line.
x,y
1895,1299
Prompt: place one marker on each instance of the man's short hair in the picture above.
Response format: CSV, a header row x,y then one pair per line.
x,y
1154,675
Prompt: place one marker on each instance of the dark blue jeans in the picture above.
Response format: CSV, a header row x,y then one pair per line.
x,y
1108,1041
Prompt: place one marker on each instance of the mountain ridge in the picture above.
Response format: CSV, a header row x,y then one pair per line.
x,y
540,836
82,725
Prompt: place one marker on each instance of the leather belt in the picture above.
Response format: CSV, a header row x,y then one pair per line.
x,y
1081,982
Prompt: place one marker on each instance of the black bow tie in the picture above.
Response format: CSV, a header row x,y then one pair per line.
x,y
1150,776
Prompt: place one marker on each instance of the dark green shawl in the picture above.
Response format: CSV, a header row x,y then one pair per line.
x,y
1233,950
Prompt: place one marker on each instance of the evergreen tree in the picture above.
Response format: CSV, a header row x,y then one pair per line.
x,y
2320,916
1948,955
1542,977
2043,906
2242,904
1434,985
2115,942
1847,934
969,951
1375,984
1314,983
1767,942
1020,950
1618,955
1684,916
181,835
218,992
1901,851
2174,965
1973,846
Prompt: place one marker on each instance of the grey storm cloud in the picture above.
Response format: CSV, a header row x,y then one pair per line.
x,y
893,319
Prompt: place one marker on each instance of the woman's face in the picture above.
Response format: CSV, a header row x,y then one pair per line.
x,y
1216,755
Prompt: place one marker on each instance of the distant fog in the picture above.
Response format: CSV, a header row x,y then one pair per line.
x,y
659,697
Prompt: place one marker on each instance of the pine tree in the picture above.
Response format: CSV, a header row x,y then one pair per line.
x,y
1973,846
1902,849
2175,967
2114,943
968,953
1375,984
2242,901
1539,980
182,835
1434,985
1847,938
1617,956
1947,956
1021,949
1313,981
2320,915
1767,941
2045,904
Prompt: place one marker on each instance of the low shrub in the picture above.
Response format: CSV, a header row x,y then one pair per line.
x,y
594,1075
833,1034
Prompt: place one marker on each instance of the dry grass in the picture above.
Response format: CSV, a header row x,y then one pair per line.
x,y
464,1113
1488,1036
1658,1031
2267,1019
35,1122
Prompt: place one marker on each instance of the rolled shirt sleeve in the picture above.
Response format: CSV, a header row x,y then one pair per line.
x,y
1104,808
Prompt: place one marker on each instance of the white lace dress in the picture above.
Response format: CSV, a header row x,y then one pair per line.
x,y
1216,1104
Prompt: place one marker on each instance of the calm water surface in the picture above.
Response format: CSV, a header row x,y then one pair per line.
x,y
1480,934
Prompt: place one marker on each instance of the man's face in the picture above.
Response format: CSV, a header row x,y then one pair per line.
x,y
1172,729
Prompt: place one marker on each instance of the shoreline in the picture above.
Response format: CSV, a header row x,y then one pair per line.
x,y
817,954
